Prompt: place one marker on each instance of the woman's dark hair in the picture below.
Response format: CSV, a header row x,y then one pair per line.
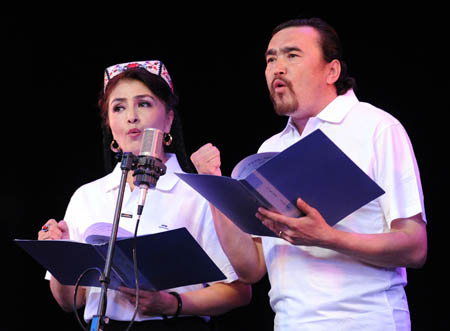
x,y
331,48
158,87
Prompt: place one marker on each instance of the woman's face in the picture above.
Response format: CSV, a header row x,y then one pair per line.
x,y
132,107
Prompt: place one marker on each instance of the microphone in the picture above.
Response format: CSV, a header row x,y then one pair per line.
x,y
152,143
149,165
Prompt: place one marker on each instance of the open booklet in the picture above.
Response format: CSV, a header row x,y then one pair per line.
x,y
313,169
165,260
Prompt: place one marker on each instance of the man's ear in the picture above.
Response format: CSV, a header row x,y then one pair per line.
x,y
334,71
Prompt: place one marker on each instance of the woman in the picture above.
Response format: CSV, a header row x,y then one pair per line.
x,y
136,96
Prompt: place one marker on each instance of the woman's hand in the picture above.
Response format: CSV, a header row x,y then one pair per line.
x,y
53,230
152,303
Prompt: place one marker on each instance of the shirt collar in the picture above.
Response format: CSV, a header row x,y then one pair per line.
x,y
337,109
165,183
334,112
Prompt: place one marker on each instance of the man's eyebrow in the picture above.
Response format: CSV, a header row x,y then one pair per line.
x,y
289,49
284,50
270,52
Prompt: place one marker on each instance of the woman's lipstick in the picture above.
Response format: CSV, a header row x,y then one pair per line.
x,y
134,132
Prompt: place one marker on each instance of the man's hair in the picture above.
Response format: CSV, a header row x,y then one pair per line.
x,y
331,47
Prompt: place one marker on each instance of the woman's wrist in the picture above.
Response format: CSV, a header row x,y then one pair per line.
x,y
178,306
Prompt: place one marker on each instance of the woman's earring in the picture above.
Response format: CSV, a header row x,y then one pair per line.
x,y
168,139
115,146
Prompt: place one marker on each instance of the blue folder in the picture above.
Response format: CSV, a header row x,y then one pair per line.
x,y
313,169
165,260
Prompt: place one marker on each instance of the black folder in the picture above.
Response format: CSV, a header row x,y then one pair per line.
x,y
165,260
314,169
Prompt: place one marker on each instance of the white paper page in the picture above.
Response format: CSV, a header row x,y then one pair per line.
x,y
272,195
250,163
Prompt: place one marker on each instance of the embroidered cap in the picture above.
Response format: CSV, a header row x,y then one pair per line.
x,y
155,67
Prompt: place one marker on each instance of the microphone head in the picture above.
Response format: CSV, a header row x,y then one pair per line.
x,y
152,143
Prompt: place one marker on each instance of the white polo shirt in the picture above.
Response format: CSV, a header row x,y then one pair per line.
x,y
171,205
314,288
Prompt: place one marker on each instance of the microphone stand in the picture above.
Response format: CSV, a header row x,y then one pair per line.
x,y
127,164
147,172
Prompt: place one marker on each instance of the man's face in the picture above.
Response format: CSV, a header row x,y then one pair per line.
x,y
296,72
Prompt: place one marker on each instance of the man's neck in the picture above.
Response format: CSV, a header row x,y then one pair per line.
x,y
300,117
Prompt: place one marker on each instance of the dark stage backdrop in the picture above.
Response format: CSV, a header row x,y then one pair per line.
x,y
53,70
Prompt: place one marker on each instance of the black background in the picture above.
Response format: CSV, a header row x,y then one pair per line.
x,y
53,61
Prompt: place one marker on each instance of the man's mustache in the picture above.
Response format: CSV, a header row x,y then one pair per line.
x,y
277,82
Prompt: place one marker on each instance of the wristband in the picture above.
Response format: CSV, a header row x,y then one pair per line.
x,y
179,306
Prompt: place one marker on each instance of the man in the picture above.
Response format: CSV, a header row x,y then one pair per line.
x,y
350,276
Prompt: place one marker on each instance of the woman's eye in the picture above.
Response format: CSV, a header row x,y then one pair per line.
x,y
118,108
144,104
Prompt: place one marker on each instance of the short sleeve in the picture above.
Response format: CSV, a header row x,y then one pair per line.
x,y
210,242
398,174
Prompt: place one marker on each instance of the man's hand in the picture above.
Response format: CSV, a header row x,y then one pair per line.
x,y
308,230
207,160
